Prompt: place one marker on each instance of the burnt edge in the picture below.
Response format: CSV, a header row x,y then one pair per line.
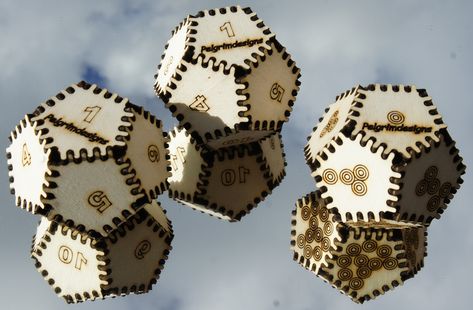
x,y
349,126
71,155
20,202
271,125
122,158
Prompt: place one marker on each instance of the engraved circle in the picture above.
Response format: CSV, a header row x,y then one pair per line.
x,y
445,189
353,249
344,261
317,253
375,263
384,251
315,208
433,203
318,234
361,172
433,186
313,222
328,228
363,272
305,213
347,177
390,263
345,274
356,283
325,244
309,235
431,173
330,176
307,251
324,214
359,188
369,246
396,117
421,187
361,260
301,241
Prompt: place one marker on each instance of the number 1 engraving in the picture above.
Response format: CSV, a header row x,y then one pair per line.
x,y
228,28
93,111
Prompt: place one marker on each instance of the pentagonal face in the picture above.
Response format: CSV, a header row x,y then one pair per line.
x,y
137,252
330,125
210,104
231,35
69,262
272,88
372,258
186,164
93,194
236,182
83,117
172,58
28,166
147,152
398,117
274,158
429,182
357,180
313,232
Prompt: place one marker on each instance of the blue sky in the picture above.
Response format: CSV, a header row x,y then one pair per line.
x,y
47,45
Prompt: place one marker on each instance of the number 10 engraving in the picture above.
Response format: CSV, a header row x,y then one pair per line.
x,y
66,255
229,176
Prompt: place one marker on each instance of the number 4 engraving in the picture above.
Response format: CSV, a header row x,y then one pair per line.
x,y
25,156
181,152
228,28
93,111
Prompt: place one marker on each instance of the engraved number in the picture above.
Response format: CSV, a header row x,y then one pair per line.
x,y
66,255
99,200
166,70
25,156
153,153
229,176
181,152
276,92
199,104
228,28
92,113
142,249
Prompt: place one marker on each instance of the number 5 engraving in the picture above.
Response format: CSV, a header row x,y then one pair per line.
x,y
99,200
228,28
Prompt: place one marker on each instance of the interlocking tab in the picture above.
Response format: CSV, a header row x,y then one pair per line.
x,y
81,267
88,156
247,84
370,150
399,118
226,183
361,259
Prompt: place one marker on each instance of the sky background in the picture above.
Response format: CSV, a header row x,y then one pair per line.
x,y
47,45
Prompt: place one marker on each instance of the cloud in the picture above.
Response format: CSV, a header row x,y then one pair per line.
x,y
48,45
